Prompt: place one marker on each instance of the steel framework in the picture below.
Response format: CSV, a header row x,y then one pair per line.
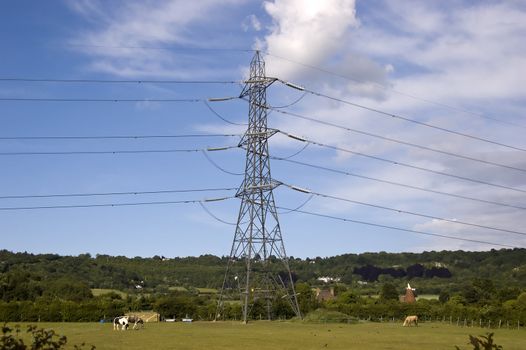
x,y
257,270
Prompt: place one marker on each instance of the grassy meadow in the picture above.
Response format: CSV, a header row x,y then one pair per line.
x,y
100,291
281,335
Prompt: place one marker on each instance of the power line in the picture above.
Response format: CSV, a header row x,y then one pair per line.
x,y
24,99
414,121
297,152
102,137
54,195
398,228
220,116
299,206
405,143
111,81
293,102
454,221
205,154
174,48
114,204
115,152
402,163
214,216
441,104
398,184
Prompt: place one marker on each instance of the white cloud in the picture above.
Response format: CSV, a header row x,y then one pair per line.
x,y
465,56
469,56
251,22
124,39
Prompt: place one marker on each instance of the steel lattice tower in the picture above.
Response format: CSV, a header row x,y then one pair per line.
x,y
258,268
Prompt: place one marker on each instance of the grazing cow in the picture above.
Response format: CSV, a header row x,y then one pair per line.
x,y
121,321
409,320
137,322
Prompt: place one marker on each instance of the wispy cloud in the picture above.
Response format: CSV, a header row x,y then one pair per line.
x,y
127,38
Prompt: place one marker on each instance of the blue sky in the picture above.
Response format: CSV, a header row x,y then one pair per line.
x,y
458,65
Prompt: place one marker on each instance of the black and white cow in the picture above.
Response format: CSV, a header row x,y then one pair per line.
x,y
125,321
121,321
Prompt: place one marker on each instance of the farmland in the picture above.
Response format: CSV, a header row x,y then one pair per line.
x,y
282,335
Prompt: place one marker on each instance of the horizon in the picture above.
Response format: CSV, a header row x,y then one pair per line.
x,y
95,255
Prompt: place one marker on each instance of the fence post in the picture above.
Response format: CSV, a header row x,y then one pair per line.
x,y
450,319
500,323
480,322
489,324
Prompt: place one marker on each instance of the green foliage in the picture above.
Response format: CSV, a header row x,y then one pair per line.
x,y
19,285
68,289
389,292
480,292
49,287
25,276
306,298
56,310
41,339
176,306
483,342
444,296
327,316
348,298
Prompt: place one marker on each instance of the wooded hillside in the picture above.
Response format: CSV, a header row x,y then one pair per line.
x,y
429,272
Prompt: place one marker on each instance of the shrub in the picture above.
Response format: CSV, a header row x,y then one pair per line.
x,y
327,316
41,339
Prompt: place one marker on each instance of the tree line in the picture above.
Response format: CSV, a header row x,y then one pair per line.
x,y
470,285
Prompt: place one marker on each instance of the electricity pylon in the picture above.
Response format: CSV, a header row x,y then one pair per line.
x,y
258,270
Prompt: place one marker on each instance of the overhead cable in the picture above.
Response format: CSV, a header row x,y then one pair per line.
x,y
112,81
214,216
168,48
205,154
112,152
95,194
113,204
298,207
220,116
414,121
342,127
102,137
46,99
398,228
297,152
454,221
390,161
315,166
293,102
426,100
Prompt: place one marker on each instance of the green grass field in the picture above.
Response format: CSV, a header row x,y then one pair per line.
x,y
99,291
281,335
427,296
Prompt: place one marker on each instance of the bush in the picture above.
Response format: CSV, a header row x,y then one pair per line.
x,y
483,343
326,316
41,339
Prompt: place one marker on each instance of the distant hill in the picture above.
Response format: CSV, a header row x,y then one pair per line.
x,y
429,272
